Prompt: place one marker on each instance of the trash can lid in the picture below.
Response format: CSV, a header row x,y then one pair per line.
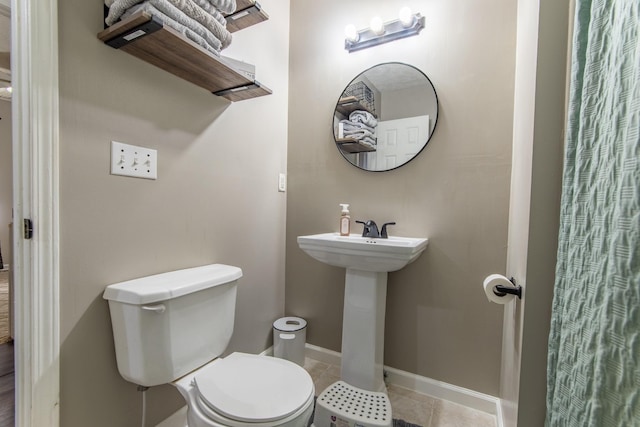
x,y
290,324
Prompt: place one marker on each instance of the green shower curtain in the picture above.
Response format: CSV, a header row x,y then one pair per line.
x,y
594,344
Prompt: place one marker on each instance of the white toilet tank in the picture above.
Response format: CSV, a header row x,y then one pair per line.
x,y
167,325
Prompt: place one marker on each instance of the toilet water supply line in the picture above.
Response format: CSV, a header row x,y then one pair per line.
x,y
144,389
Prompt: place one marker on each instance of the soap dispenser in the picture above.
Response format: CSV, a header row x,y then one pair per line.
x,y
345,220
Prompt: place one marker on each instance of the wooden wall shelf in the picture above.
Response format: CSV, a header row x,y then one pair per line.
x,y
147,38
247,13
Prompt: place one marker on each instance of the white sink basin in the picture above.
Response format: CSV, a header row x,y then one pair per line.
x,y
363,253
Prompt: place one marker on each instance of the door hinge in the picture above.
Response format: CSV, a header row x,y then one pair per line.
x,y
28,228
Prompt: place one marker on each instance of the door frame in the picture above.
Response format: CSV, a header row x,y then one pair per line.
x,y
35,121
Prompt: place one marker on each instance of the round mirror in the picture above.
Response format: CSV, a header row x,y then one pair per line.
x,y
385,116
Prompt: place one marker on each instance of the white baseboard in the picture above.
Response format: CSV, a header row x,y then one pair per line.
x,y
441,390
322,354
438,389
499,414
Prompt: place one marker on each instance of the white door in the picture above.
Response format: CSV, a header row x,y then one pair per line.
x,y
35,264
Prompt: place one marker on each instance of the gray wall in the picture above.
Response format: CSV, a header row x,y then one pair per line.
x,y
215,200
456,192
6,179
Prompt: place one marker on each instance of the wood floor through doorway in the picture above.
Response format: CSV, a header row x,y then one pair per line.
x,y
7,374
7,386
4,307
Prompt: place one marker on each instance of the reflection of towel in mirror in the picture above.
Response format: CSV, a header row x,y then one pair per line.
x,y
193,32
351,127
185,12
358,131
360,116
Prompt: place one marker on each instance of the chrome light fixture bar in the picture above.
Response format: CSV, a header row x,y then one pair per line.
x,y
410,25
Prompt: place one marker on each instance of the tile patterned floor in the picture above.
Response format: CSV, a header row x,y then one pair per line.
x,y
408,405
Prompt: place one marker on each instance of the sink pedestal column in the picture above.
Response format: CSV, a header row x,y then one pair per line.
x,y
363,329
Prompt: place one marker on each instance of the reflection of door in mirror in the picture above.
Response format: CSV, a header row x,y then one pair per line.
x,y
405,106
399,141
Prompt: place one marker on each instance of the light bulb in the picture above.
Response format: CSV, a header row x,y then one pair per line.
x,y
351,33
9,89
376,25
406,17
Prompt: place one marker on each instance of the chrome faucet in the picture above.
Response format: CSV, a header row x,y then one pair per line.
x,y
370,229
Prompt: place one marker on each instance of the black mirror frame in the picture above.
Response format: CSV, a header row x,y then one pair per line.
x,y
435,123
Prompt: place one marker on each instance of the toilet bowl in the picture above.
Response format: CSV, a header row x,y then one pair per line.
x,y
171,328
244,389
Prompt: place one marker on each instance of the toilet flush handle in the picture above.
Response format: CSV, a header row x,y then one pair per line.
x,y
160,308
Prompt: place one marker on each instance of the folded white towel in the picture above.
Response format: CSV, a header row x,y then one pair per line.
x,y
178,10
177,20
358,134
208,7
223,6
357,131
348,125
356,126
182,29
194,11
361,116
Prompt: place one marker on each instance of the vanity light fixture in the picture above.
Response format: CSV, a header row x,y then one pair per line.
x,y
351,33
406,17
408,24
377,26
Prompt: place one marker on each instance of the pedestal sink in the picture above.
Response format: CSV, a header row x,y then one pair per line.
x,y
367,261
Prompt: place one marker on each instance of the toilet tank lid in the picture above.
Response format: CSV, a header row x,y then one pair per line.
x,y
165,286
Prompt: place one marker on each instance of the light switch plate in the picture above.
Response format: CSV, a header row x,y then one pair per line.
x,y
134,161
282,182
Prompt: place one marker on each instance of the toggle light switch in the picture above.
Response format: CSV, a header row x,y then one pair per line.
x,y
134,161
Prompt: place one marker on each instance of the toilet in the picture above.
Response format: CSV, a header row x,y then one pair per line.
x,y
171,328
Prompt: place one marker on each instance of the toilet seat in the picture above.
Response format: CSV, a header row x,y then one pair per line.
x,y
245,388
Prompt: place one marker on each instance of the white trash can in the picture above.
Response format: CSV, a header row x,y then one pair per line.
x,y
289,338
